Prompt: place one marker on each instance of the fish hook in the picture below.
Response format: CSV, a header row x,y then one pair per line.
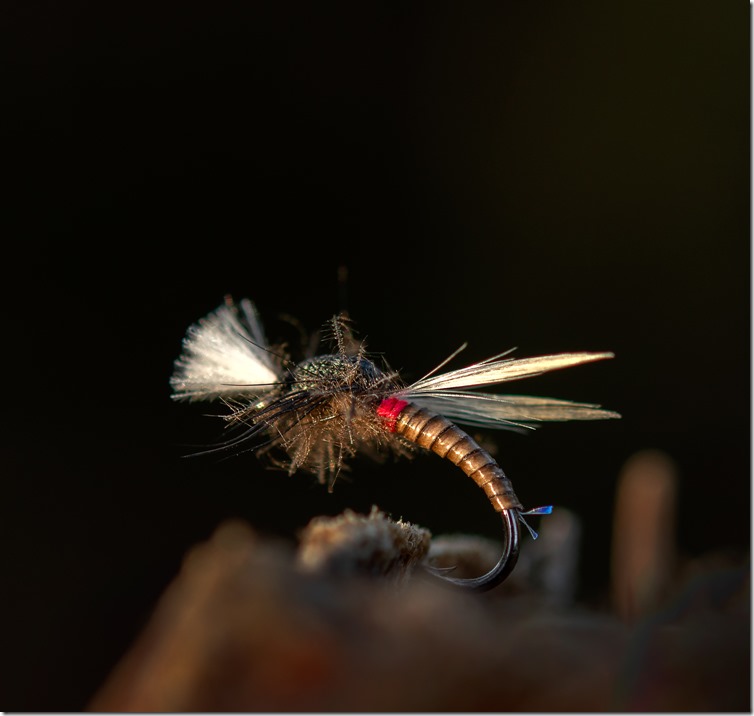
x,y
500,571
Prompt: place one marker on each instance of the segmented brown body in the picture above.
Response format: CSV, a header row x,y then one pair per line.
x,y
438,434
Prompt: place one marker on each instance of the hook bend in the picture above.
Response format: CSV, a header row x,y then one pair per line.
x,y
501,570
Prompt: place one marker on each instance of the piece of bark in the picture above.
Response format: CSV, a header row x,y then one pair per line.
x,y
352,544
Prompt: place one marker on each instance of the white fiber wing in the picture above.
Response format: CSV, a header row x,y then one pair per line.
x,y
507,411
224,357
495,371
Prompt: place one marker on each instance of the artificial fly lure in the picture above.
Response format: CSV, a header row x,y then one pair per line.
x,y
315,414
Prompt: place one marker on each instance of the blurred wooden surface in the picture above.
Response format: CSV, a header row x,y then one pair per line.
x,y
250,625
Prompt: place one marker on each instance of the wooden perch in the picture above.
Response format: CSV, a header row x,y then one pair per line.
x,y
344,624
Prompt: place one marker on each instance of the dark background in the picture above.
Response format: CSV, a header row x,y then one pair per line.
x,y
554,176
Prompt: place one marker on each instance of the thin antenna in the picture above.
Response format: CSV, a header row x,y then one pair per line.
x,y
343,289
460,348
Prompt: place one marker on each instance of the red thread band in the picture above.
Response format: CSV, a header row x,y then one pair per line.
x,y
389,410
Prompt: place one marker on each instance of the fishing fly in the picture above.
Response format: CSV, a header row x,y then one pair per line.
x,y
315,414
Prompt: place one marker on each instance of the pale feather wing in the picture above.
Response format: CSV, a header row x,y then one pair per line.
x,y
224,356
449,393
507,411
494,371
